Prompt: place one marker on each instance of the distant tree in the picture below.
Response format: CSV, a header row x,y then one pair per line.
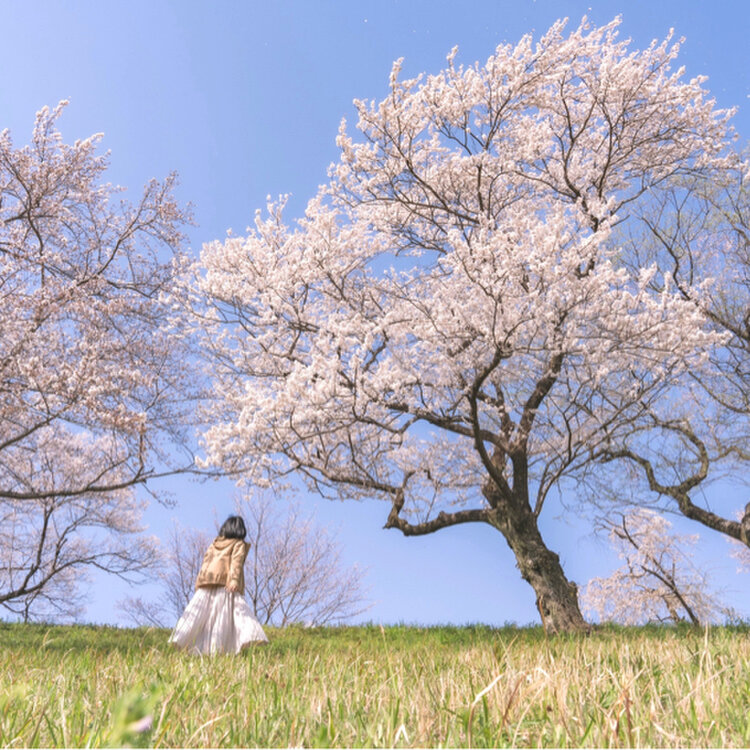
x,y
95,397
452,327
658,581
179,562
293,572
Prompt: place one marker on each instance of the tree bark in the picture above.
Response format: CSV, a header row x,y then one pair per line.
x,y
556,596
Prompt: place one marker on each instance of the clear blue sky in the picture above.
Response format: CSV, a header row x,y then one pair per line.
x,y
244,99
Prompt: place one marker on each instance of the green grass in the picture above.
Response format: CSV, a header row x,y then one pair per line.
x,y
369,686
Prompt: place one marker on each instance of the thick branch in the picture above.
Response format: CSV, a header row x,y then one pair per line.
x,y
494,471
441,521
680,492
543,387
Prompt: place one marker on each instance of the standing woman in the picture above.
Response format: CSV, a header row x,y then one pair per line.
x,y
218,619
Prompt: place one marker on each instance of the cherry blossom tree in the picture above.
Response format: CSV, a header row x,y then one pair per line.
x,y
49,546
94,387
697,230
658,581
85,349
451,327
294,571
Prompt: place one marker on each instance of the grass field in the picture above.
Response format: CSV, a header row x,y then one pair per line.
x,y
382,687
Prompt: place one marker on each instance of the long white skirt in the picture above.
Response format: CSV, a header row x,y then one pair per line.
x,y
216,621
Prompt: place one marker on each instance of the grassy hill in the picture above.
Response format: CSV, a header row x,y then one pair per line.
x,y
371,686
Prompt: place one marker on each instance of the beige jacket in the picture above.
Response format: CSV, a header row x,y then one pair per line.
x,y
224,563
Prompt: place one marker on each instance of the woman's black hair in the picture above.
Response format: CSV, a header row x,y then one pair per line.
x,y
233,528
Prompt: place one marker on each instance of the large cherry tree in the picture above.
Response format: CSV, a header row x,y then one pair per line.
x,y
94,385
451,327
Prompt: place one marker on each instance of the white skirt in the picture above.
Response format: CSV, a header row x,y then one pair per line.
x,y
216,621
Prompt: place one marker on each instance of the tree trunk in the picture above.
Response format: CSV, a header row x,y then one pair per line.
x,y
510,513
556,596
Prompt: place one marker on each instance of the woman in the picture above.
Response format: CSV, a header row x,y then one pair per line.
x,y
218,619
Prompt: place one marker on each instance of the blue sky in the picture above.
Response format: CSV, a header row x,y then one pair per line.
x,y
244,100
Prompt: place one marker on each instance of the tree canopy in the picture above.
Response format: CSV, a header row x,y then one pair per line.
x,y
454,325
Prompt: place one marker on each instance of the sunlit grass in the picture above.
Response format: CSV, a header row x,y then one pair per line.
x,y
369,686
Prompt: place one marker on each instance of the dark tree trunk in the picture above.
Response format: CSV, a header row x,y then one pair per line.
x,y
510,513
556,596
